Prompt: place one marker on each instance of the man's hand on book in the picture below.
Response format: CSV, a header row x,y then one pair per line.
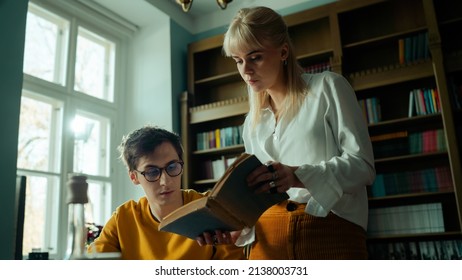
x,y
218,237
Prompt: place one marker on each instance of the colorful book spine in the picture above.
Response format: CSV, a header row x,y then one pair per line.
x,y
437,179
318,68
428,141
424,101
413,48
450,249
401,51
371,109
407,219
219,138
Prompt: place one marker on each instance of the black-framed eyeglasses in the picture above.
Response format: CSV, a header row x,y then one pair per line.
x,y
152,173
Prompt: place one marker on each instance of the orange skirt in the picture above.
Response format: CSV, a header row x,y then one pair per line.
x,y
286,232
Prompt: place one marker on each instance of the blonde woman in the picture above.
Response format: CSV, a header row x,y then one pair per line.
x,y
310,131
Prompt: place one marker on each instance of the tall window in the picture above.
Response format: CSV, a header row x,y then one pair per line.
x,y
46,45
39,158
94,68
91,136
67,113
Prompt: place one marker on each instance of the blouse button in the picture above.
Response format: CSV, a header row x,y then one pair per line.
x,y
291,206
275,137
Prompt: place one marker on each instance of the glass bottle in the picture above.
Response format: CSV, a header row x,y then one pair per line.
x,y
77,231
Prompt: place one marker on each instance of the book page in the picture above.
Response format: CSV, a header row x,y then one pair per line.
x,y
197,217
233,193
231,205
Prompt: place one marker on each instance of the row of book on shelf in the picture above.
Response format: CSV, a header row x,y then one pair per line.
x,y
437,179
400,143
413,48
406,219
215,168
317,68
417,250
424,101
219,138
371,109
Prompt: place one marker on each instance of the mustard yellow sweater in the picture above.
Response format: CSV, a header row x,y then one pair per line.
x,y
134,232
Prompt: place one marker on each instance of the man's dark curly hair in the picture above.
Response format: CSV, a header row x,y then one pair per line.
x,y
144,141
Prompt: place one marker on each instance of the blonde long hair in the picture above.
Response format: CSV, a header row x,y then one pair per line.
x,y
259,28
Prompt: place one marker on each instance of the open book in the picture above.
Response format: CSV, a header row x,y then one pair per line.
x,y
231,205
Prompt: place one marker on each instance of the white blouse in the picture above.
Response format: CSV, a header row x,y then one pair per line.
x,y
328,139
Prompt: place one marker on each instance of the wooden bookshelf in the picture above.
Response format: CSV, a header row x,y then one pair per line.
x,y
359,39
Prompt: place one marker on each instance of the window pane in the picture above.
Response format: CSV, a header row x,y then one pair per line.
x,y
45,45
94,69
41,157
37,145
98,208
91,144
41,203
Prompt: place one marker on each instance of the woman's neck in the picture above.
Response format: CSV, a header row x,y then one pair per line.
x,y
276,99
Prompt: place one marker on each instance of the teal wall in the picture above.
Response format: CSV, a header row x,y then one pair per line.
x,y
180,38
12,32
284,12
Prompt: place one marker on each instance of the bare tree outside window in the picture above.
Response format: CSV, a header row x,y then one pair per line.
x,y
45,46
34,135
94,65
49,146
38,131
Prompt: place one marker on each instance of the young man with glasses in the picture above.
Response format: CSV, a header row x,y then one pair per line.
x,y
153,157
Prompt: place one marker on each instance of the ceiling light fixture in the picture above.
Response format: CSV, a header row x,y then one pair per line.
x,y
186,4
223,3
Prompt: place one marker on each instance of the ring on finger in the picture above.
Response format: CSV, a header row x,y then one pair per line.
x,y
272,184
270,167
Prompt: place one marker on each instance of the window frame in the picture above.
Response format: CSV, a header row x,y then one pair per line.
x,y
80,15
109,61
62,42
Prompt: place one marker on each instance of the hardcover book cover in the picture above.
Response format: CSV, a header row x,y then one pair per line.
x,y
231,205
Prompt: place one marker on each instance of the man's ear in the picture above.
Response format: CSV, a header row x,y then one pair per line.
x,y
133,177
